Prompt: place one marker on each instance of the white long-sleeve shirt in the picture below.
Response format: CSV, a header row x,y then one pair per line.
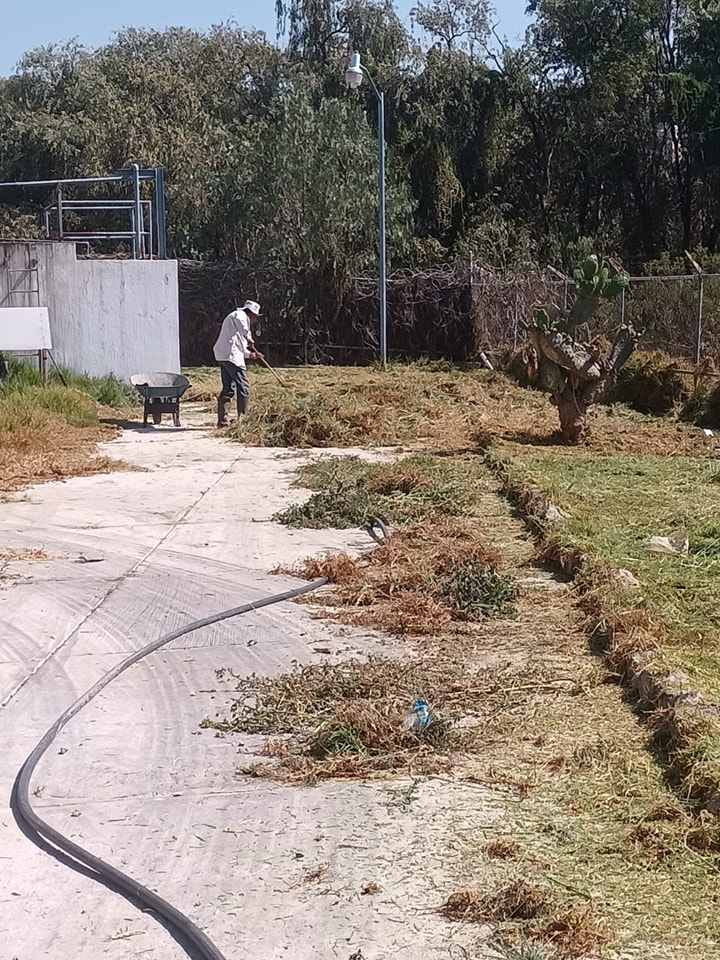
x,y
235,340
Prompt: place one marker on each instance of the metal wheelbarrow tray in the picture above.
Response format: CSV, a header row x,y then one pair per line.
x,y
161,394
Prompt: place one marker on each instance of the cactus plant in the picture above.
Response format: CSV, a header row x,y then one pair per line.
x,y
576,371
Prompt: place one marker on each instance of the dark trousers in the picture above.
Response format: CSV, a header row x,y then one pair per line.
x,y
234,379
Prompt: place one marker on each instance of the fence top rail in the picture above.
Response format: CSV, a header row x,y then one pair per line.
x,y
687,276
547,281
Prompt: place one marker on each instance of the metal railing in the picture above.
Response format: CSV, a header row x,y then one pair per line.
x,y
146,217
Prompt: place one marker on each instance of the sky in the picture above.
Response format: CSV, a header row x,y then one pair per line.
x,y
93,22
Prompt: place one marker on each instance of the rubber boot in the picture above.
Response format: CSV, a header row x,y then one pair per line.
x,y
242,404
223,412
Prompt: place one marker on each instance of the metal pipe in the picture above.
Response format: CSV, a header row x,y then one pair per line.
x,y
59,212
138,252
127,235
101,204
55,183
160,213
151,246
114,178
381,205
698,346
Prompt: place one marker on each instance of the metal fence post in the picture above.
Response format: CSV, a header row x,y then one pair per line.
x,y
698,345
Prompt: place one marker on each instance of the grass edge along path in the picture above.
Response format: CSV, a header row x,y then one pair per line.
x,y
686,722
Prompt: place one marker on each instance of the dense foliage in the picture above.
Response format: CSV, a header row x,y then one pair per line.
x,y
601,131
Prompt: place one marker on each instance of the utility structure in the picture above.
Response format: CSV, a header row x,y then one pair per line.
x,y
101,276
353,79
145,230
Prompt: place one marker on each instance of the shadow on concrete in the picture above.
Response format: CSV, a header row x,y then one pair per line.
x,y
137,427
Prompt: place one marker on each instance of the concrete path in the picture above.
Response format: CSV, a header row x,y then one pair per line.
x,y
133,555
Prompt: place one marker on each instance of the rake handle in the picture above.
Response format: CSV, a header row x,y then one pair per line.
x,y
262,360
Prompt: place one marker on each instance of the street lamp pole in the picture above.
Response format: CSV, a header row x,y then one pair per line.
x,y
353,78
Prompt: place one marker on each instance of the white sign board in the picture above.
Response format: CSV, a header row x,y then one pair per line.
x,y
24,328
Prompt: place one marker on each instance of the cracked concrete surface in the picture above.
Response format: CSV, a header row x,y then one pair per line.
x,y
133,778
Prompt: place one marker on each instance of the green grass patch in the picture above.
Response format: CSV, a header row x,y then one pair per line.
x,y
476,590
616,504
28,410
351,492
25,379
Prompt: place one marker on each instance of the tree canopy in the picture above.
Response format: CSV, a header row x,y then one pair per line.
x,y
601,130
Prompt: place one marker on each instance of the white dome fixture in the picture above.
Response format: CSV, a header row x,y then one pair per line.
x,y
354,72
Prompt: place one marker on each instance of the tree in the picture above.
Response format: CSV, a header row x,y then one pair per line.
x,y
457,24
577,372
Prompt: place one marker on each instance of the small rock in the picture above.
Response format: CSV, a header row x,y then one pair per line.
x,y
678,679
626,579
554,514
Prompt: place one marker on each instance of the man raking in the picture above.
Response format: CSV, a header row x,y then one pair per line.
x,y
232,348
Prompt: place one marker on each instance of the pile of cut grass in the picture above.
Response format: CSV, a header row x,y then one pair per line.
x,y
413,585
419,406
435,569
531,914
347,720
51,432
351,492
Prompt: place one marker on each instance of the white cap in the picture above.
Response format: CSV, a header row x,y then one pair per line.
x,y
252,307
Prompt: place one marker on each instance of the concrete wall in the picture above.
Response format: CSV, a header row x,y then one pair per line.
x,y
106,316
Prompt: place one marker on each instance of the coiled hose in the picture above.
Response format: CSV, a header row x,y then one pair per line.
x,y
191,937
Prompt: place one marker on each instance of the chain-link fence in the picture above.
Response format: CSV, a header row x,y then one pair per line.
x,y
679,315
456,313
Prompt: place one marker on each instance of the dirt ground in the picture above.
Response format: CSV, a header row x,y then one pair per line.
x,y
344,869
121,558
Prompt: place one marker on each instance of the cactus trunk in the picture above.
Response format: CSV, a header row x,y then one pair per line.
x,y
573,411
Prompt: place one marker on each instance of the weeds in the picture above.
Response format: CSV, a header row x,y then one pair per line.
x,y
342,506
107,391
574,932
49,432
27,410
348,719
421,407
521,908
350,492
476,591
527,951
516,901
502,850
409,585
435,567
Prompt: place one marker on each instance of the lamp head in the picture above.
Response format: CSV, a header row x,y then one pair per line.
x,y
354,74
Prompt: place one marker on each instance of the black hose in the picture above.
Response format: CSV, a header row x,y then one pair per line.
x,y
378,531
47,838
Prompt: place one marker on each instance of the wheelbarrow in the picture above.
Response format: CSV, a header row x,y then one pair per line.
x,y
161,394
